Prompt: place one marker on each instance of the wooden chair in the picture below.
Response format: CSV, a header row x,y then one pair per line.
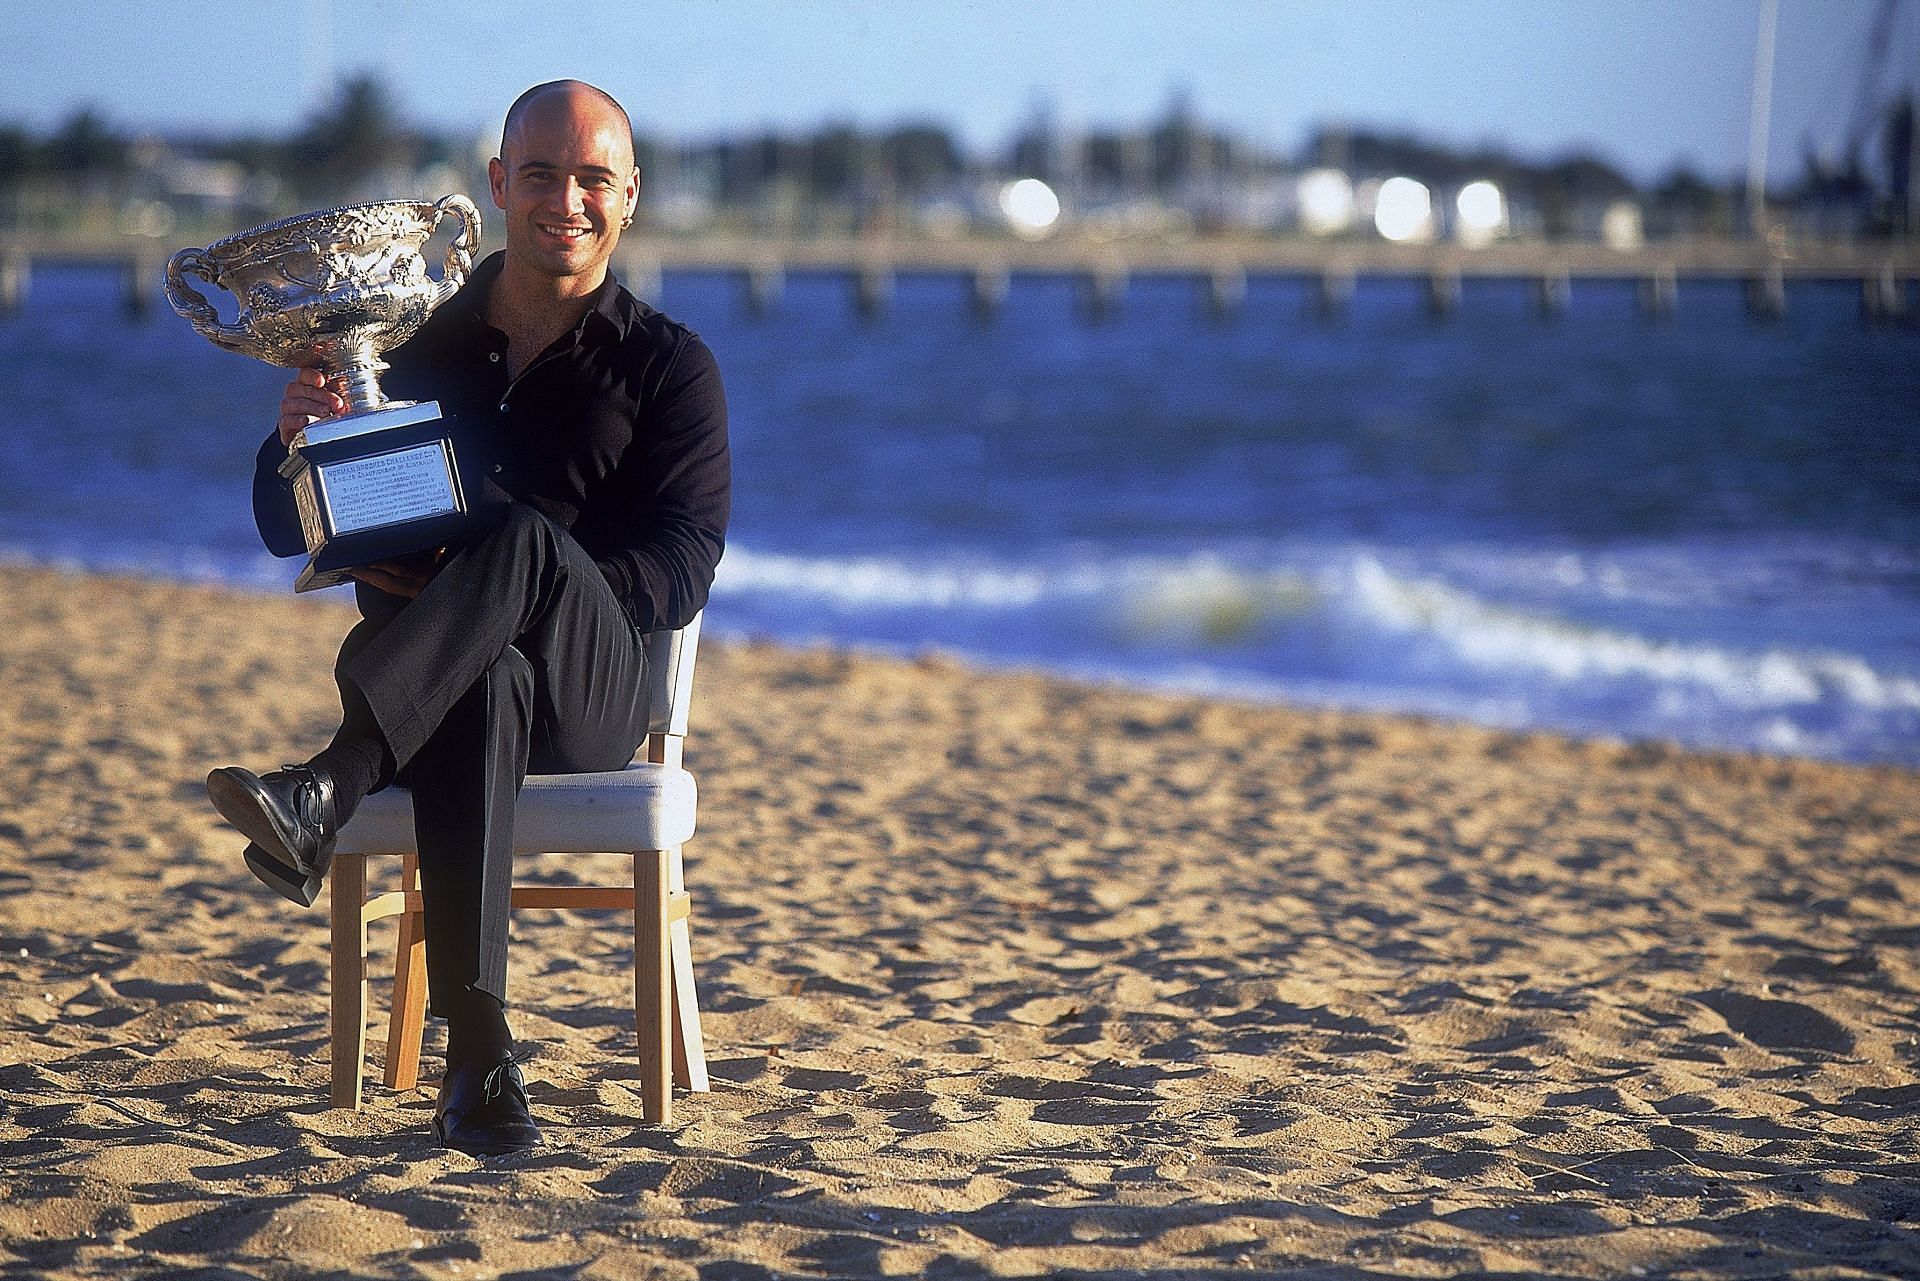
x,y
646,810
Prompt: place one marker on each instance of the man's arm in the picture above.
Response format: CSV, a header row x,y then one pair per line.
x,y
660,536
273,510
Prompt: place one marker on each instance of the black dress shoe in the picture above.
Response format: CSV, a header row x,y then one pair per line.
x,y
483,1110
288,816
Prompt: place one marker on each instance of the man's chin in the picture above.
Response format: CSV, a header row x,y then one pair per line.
x,y
562,263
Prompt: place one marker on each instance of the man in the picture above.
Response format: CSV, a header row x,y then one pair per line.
x,y
592,430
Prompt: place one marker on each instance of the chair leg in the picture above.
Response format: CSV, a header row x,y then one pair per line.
x,y
689,1044
652,983
349,995
407,1015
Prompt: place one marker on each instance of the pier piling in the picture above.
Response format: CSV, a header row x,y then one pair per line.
x,y
16,273
1226,294
644,278
764,285
138,280
1552,293
872,292
987,291
1658,295
1443,294
1883,296
1767,295
1333,294
1101,290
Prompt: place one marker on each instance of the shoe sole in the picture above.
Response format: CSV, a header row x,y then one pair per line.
x,y
239,799
282,879
482,1149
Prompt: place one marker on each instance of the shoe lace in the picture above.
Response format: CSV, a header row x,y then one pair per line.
x,y
495,1082
312,796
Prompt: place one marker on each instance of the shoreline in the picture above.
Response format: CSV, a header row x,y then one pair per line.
x,y
1104,679
1003,974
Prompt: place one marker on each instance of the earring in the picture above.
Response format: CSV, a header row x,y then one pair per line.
x,y
626,222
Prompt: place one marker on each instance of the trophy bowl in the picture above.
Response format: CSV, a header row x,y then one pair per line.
x,y
333,290
329,290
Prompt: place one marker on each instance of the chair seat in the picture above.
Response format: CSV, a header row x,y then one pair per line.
x,y
642,807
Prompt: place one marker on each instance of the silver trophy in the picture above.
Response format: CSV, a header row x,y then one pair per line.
x,y
333,290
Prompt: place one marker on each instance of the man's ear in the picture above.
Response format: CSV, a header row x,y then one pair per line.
x,y
497,182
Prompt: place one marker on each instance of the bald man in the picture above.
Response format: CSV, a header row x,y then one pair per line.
x,y
592,431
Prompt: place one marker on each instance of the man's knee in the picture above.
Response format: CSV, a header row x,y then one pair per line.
x,y
356,640
503,692
520,523
511,678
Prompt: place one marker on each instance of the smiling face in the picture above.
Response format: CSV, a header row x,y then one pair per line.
x,y
566,181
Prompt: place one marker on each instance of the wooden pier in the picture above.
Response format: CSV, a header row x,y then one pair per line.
x,y
1886,274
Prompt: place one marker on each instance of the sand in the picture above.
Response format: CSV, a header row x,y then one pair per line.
x,y
1003,975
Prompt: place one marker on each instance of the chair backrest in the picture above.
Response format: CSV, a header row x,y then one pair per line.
x,y
670,658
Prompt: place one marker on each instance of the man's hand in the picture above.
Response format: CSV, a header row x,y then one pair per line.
x,y
405,577
308,398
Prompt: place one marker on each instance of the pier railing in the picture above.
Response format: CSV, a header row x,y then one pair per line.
x,y
1886,273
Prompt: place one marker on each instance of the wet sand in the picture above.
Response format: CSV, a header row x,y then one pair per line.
x,y
1003,975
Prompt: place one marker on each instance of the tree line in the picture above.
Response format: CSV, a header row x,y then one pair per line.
x,y
362,133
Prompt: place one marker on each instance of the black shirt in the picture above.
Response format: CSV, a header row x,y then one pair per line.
x,y
617,432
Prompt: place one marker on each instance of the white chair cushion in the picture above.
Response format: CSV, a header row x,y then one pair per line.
x,y
642,807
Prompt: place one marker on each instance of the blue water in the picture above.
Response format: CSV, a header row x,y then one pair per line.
x,y
1707,531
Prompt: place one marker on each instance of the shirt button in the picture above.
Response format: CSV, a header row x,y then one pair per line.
x,y
503,406
494,356
496,469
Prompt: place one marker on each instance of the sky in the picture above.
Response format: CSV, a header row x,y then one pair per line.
x,y
1645,83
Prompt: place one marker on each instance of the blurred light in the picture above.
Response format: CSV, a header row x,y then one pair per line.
x,y
148,218
1030,206
1403,210
1483,213
1326,202
1620,226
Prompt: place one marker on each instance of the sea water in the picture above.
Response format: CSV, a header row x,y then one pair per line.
x,y
1706,530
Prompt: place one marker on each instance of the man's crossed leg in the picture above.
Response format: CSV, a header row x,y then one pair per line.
x,y
515,656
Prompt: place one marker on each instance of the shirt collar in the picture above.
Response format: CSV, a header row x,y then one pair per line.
x,y
612,304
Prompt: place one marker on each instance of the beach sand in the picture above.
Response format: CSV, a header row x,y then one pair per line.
x,y
1003,975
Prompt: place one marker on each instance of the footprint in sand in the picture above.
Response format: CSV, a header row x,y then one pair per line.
x,y
1778,1025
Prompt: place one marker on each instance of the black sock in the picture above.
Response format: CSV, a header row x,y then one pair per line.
x,y
357,765
477,1030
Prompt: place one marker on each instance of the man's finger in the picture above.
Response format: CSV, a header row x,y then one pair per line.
x,y
381,579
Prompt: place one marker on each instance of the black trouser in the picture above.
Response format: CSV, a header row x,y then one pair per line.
x,y
516,657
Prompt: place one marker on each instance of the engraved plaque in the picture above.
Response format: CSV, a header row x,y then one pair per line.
x,y
388,489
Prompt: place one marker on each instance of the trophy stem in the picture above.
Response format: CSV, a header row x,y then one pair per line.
x,y
361,376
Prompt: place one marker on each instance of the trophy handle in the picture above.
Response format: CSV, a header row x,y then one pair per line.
x,y
459,262
191,303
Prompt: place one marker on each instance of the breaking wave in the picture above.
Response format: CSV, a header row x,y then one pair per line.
x,y
1354,626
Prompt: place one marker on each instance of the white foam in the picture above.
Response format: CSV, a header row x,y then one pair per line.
x,y
1499,637
1221,603
881,581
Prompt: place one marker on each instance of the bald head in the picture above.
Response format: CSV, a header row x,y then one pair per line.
x,y
566,181
574,98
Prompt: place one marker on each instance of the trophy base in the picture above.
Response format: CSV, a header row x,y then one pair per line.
x,y
373,486
331,566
